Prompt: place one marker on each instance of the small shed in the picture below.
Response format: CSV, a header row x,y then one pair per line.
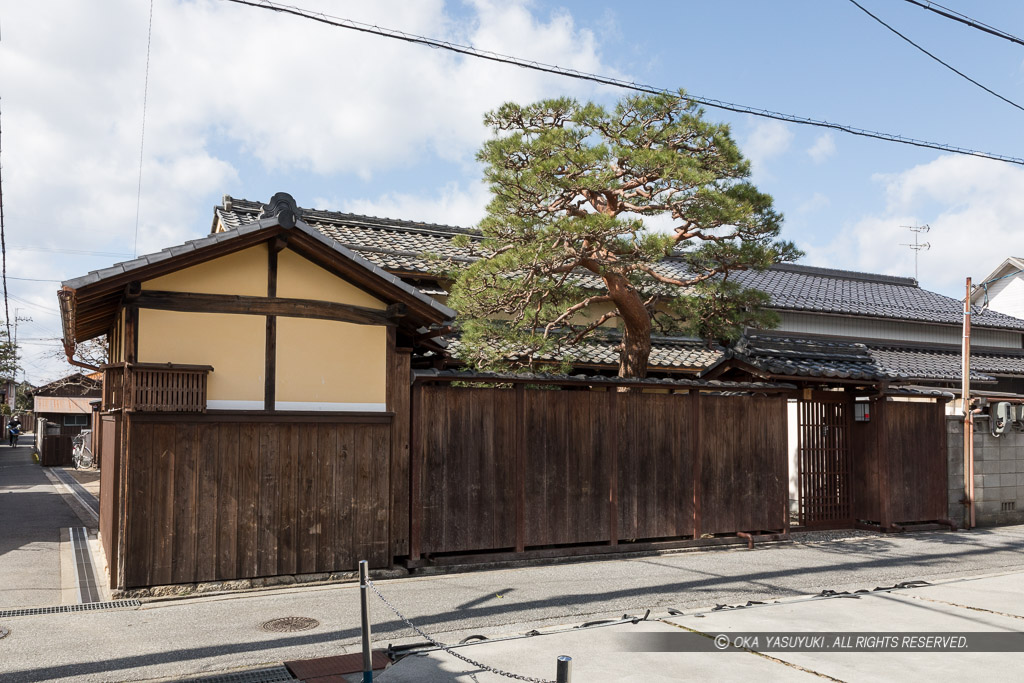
x,y
255,409
63,409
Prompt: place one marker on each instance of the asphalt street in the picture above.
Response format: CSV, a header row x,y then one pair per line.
x,y
32,514
215,633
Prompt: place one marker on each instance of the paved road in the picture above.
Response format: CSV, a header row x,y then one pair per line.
x,y
220,632
32,514
682,647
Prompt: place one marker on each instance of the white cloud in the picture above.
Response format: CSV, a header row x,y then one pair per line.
x,y
816,202
823,148
767,139
229,83
448,205
975,208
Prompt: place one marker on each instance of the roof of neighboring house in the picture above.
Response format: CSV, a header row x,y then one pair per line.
x,y
48,405
789,356
1008,268
89,303
406,247
74,385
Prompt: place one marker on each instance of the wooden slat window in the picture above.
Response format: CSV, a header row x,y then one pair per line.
x,y
144,387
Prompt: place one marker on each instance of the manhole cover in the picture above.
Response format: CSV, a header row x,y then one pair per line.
x,y
4,631
290,624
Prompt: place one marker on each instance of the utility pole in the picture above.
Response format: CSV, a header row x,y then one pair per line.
x,y
965,394
918,247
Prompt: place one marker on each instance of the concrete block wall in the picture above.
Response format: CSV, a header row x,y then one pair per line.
x,y
998,474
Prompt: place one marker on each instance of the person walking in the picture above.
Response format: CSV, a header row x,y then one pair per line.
x,y
13,430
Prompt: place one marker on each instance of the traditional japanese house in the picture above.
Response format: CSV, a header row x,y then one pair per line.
x,y
62,409
285,396
254,404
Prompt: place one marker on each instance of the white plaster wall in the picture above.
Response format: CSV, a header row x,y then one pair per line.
x,y
858,329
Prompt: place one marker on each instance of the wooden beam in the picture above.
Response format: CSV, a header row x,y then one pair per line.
x,y
270,368
270,380
272,270
131,334
189,302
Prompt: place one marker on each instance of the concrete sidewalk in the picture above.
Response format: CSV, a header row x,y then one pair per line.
x,y
985,604
32,515
206,634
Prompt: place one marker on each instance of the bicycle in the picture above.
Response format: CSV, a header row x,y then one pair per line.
x,y
12,435
81,453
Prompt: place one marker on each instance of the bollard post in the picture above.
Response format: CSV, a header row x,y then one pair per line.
x,y
364,609
564,672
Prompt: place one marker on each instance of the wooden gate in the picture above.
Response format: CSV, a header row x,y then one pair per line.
x,y
824,461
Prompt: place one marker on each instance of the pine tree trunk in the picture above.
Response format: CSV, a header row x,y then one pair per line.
x,y
636,351
636,340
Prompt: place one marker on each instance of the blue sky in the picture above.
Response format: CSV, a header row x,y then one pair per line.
x,y
247,102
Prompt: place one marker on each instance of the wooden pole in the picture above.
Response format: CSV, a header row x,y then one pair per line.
x,y
965,394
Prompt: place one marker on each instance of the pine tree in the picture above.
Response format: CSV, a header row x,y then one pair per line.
x,y
568,240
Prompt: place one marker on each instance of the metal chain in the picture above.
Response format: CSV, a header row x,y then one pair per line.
x,y
448,649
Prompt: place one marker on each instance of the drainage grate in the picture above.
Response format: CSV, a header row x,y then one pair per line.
x,y
4,631
277,674
60,609
290,624
85,575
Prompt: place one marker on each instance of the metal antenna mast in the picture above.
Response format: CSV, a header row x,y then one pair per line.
x,y
918,247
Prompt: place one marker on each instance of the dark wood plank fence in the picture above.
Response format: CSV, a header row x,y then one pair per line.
x,y
900,471
109,453
513,469
224,498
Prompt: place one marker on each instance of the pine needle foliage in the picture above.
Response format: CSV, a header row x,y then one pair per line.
x,y
587,203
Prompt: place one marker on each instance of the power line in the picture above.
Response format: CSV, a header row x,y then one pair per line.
x,y
33,279
615,82
945,64
79,252
45,309
142,141
964,19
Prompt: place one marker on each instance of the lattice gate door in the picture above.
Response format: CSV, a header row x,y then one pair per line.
x,y
824,462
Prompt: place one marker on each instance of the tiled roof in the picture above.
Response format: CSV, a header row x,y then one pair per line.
x,y
460,375
667,353
406,247
798,357
806,288
244,228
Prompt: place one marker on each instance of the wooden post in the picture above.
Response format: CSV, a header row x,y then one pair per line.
x,y
613,469
881,419
698,456
520,477
416,475
270,370
398,399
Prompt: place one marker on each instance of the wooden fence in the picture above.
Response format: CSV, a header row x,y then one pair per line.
x,y
54,442
900,470
514,469
225,497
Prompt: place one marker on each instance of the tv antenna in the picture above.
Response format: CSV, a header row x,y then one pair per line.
x,y
917,246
